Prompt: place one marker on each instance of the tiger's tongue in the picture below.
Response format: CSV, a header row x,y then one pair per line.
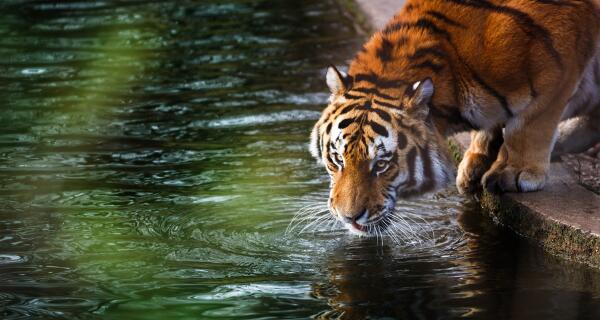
x,y
358,226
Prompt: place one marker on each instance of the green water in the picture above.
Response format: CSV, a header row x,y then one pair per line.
x,y
153,153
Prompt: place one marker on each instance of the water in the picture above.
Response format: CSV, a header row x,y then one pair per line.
x,y
152,155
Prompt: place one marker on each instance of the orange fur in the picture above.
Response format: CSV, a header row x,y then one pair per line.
x,y
512,64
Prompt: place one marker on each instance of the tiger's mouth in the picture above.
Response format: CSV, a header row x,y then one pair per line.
x,y
367,228
358,227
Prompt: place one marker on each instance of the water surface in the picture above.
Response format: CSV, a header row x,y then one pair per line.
x,y
153,153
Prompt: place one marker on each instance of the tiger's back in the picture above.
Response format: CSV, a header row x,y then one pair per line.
x,y
501,53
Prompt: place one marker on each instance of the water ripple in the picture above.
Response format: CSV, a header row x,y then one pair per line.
x,y
261,119
12,259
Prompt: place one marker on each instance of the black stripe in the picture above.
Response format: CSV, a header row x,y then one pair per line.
x,y
387,196
394,158
435,67
332,167
375,92
329,160
402,41
349,149
353,138
381,83
493,92
363,108
402,141
526,21
411,157
352,97
383,114
345,123
385,52
347,109
442,17
424,51
319,149
422,23
428,182
365,77
386,104
322,145
379,129
328,129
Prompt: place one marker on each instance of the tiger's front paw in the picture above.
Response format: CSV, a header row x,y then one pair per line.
x,y
512,179
470,170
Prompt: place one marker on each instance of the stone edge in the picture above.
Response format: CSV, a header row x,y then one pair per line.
x,y
556,238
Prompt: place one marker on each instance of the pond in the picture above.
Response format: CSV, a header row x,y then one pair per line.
x,y
154,153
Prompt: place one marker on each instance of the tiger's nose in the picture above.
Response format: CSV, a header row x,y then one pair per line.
x,y
361,217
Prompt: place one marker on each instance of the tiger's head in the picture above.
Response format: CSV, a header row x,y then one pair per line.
x,y
377,148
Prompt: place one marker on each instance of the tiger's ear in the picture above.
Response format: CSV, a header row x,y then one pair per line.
x,y
337,81
417,98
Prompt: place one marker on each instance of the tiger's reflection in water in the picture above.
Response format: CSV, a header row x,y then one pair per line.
x,y
370,281
475,276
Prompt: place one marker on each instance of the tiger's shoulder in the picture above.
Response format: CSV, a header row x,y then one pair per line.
x,y
502,53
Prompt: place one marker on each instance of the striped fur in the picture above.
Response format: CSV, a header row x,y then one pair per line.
x,y
442,66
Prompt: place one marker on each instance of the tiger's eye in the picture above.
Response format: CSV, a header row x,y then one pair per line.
x,y
380,164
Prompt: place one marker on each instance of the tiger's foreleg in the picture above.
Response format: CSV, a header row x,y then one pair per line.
x,y
524,158
477,159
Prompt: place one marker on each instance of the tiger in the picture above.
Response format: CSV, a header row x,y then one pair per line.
x,y
508,71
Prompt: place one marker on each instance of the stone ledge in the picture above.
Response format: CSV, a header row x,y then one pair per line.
x,y
564,218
